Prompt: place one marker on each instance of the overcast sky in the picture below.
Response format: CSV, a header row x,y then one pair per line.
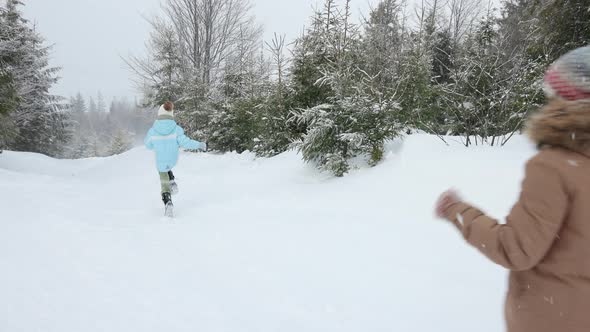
x,y
90,36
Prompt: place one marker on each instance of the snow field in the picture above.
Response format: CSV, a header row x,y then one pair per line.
x,y
257,244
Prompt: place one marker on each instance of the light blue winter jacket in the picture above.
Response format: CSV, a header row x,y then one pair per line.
x,y
165,138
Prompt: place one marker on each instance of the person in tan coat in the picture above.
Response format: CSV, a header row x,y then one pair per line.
x,y
545,242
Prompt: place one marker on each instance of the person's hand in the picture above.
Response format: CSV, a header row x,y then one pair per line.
x,y
445,201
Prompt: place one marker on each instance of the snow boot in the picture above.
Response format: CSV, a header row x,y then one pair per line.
x,y
168,206
173,185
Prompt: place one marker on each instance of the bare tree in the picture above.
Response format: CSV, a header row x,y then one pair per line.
x,y
463,15
192,43
277,49
208,30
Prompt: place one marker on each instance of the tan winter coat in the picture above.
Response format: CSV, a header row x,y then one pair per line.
x,y
546,239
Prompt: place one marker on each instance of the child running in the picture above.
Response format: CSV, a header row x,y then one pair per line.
x,y
165,138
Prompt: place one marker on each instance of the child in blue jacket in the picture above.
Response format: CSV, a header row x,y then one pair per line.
x,y
165,138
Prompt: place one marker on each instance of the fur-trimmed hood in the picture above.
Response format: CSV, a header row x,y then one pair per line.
x,y
564,124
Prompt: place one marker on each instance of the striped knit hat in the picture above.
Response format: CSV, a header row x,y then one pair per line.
x,y
569,76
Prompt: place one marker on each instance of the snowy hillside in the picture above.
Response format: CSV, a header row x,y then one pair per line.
x,y
258,245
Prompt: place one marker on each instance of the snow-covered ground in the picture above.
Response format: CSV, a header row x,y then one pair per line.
x,y
258,245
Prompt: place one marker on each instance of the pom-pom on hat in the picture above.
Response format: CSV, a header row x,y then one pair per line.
x,y
167,109
569,77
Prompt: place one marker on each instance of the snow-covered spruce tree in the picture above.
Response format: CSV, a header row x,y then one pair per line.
x,y
518,40
91,132
8,94
234,126
542,31
8,131
418,95
275,133
470,98
81,148
237,126
492,92
565,25
310,53
7,90
92,108
443,56
522,43
383,43
518,26
42,122
101,105
535,33
78,104
357,118
95,119
120,143
244,85
429,59
98,134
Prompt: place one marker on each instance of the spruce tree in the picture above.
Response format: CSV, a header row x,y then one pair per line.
x,y
565,25
311,52
492,92
275,134
42,123
101,105
356,118
383,43
78,104
92,107
8,93
120,143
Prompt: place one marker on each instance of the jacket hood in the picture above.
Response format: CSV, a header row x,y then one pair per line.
x,y
165,127
564,124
